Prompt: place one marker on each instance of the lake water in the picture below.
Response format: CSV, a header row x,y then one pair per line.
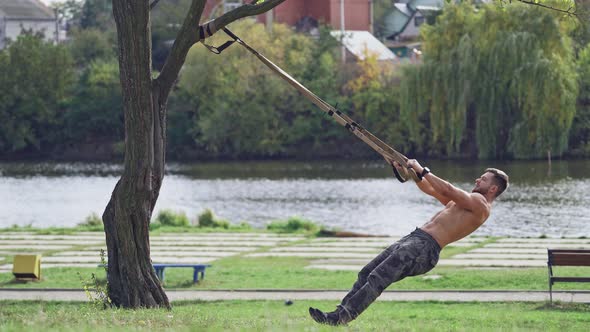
x,y
355,196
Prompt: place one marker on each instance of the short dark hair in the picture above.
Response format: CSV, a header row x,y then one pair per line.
x,y
500,179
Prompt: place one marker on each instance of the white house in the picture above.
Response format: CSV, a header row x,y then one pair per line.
x,y
16,15
404,20
363,43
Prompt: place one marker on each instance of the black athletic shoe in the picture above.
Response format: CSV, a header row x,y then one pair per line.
x,y
318,315
323,318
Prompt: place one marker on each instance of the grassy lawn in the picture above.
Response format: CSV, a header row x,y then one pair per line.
x,y
275,316
290,273
239,272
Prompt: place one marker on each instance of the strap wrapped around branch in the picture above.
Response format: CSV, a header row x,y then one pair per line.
x,y
207,30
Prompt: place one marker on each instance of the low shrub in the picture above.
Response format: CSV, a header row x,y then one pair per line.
x,y
155,225
93,220
171,218
242,225
293,225
208,219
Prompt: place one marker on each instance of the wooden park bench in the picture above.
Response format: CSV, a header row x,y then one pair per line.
x,y
566,257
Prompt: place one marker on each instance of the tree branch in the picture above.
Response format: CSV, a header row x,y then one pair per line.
x,y
189,35
153,4
185,38
251,9
571,11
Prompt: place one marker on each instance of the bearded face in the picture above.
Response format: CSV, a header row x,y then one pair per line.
x,y
480,190
483,183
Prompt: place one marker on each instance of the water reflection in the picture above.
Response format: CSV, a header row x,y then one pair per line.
x,y
358,196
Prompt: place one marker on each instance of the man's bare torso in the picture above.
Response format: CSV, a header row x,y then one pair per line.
x,y
454,223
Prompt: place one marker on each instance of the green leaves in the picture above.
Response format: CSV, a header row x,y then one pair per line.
x,y
91,44
580,132
499,82
36,80
240,107
95,113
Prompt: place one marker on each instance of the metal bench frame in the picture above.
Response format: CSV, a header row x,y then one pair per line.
x,y
566,257
159,267
198,268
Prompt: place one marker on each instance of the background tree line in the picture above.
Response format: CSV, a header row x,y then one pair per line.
x,y
499,82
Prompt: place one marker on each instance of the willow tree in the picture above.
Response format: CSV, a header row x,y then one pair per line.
x,y
494,83
132,280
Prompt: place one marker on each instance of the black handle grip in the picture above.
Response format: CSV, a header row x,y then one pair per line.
x,y
397,175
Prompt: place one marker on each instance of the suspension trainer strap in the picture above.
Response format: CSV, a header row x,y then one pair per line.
x,y
207,30
397,175
364,135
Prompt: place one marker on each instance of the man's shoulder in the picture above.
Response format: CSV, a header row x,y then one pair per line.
x,y
478,196
479,203
482,202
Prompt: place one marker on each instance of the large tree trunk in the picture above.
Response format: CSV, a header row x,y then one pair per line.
x,y
132,279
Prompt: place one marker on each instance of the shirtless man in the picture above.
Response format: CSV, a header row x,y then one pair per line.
x,y
418,252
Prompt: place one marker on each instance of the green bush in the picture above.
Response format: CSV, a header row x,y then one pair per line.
x,y
293,225
207,219
171,218
93,220
221,224
242,225
155,225
35,83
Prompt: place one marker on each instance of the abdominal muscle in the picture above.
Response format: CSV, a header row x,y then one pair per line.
x,y
453,223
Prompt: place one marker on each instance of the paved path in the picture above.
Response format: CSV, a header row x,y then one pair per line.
x,y
331,295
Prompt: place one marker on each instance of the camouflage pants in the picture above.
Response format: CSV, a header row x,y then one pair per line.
x,y
415,254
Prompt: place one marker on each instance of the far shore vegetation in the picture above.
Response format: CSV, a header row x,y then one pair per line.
x,y
463,99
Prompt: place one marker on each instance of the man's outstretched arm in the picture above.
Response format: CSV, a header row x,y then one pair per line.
x,y
425,186
468,201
